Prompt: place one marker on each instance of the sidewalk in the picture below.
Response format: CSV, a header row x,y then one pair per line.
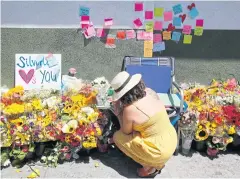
x,y
118,166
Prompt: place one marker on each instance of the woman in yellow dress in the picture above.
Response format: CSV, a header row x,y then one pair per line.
x,y
146,134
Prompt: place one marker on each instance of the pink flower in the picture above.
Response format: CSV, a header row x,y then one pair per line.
x,y
68,156
25,127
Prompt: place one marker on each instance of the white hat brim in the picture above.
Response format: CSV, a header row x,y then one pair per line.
x,y
135,79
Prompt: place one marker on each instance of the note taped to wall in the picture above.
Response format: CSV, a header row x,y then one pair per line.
x,y
187,39
198,31
187,29
166,35
158,11
84,11
149,26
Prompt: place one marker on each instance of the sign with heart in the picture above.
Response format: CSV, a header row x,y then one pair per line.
x,y
35,71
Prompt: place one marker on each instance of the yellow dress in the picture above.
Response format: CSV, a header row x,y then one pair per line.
x,y
152,143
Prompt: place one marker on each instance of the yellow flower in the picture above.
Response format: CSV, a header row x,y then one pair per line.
x,y
28,107
93,117
17,122
23,137
231,130
37,104
46,121
201,134
86,145
14,109
99,131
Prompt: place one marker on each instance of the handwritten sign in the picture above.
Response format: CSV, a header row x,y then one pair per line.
x,y
166,35
148,52
110,41
137,23
148,35
177,9
35,71
121,35
158,11
148,44
187,39
187,29
149,26
108,22
130,34
84,11
198,31
199,22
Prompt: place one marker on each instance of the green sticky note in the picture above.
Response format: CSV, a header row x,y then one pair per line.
x,y
149,26
187,39
198,31
158,11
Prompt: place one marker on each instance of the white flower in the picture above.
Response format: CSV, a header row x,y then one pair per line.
x,y
6,163
70,126
50,158
43,158
87,110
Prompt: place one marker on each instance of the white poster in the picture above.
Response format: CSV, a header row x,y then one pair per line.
x,y
34,71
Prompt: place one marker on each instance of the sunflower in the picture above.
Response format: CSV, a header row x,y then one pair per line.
x,y
18,122
37,104
231,130
201,134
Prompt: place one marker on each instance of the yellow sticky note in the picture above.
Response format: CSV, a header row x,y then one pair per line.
x,y
148,52
149,26
148,44
158,11
166,35
187,39
198,31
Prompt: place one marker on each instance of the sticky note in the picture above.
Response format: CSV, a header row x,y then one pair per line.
x,y
84,11
187,39
199,22
193,13
168,16
166,35
176,36
130,34
148,35
100,33
149,26
148,14
157,38
90,32
138,6
85,18
110,42
177,9
177,21
121,35
187,29
108,22
158,47
158,25
148,52
140,35
158,11
137,23
198,31
148,44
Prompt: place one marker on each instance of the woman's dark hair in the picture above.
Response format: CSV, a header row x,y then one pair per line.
x,y
136,93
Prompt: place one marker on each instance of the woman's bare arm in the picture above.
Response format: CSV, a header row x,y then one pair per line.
x,y
152,93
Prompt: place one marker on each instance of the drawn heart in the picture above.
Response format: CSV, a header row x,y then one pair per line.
x,y
26,77
170,27
191,6
183,17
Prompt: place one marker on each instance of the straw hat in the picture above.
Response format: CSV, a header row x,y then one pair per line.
x,y
123,82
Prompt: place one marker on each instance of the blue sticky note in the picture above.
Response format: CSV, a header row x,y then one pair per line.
x,y
160,46
176,36
177,21
193,13
177,9
84,11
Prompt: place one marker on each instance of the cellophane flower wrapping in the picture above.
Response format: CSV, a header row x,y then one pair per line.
x,y
217,109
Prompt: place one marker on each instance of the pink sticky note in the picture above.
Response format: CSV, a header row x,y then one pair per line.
x,y
100,33
108,22
148,35
90,32
168,16
140,35
138,6
137,23
187,29
157,38
158,25
130,34
148,14
199,22
85,18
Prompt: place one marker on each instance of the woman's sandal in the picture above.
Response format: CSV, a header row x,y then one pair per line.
x,y
145,173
